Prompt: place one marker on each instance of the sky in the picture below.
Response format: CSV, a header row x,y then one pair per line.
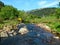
x,y
31,4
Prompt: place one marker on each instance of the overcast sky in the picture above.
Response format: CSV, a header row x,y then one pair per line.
x,y
31,4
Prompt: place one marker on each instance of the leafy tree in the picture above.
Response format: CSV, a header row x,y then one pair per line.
x,y
23,15
1,17
58,13
1,4
9,12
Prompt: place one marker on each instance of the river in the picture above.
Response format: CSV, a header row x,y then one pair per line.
x,y
36,36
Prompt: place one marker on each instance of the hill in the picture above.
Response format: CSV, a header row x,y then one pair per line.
x,y
42,12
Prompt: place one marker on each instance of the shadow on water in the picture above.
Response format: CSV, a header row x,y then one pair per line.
x,y
33,37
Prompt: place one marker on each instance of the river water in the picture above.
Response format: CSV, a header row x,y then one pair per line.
x,y
36,36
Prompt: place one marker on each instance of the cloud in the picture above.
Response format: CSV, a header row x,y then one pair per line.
x,y
44,4
50,4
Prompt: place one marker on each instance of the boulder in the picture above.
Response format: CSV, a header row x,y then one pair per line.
x,y
23,30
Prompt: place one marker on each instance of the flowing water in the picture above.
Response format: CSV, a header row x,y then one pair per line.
x,y
35,36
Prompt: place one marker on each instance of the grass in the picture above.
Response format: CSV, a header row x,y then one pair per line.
x,y
51,21
8,22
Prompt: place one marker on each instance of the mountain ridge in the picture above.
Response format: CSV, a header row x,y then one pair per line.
x,y
42,12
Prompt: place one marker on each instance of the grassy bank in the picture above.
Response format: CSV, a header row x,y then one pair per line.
x,y
51,21
8,22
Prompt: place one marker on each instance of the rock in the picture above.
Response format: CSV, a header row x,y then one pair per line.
x,y
45,27
11,33
7,28
56,37
14,33
3,34
0,30
14,27
20,25
23,30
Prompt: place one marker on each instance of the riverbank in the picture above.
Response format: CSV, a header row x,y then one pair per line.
x,y
12,28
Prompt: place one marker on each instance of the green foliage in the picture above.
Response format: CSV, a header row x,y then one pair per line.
x,y
22,15
8,12
42,12
1,4
58,13
1,20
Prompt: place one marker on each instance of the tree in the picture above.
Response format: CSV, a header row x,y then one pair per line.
x,y
1,17
58,13
9,12
22,14
1,4
59,3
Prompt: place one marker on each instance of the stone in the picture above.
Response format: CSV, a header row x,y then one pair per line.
x,y
23,30
7,28
14,33
3,34
56,37
45,27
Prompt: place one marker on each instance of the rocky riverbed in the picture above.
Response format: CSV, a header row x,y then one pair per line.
x,y
28,34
